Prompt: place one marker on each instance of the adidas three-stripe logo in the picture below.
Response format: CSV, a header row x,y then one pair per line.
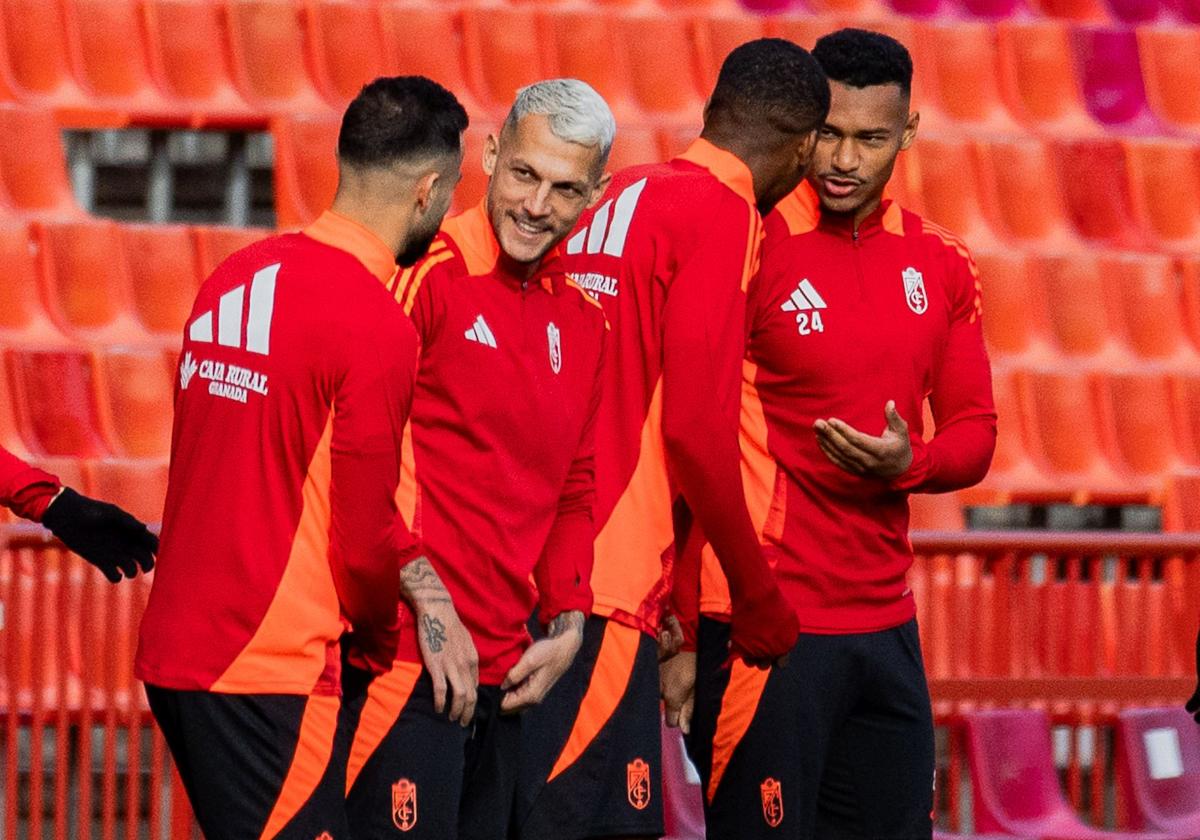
x,y
601,235
481,332
229,315
804,297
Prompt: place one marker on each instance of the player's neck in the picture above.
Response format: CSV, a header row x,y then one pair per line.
x,y
385,220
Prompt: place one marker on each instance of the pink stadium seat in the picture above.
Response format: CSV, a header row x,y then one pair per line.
x,y
306,174
1096,187
1159,774
69,424
994,9
215,243
583,45
33,163
502,53
426,40
1014,783
1085,11
683,808
947,169
1165,183
1170,62
1038,77
270,55
349,45
189,41
1013,322
659,46
1141,11
966,73
1138,409
1146,292
137,386
1108,68
1021,192
938,834
139,486
23,317
164,274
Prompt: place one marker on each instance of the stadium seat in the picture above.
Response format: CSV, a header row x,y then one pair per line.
x,y
88,280
1141,11
1189,277
503,53
995,10
966,73
802,29
306,174
1082,11
270,55
33,163
38,64
1073,292
634,145
1139,413
659,46
719,35
69,424
1096,188
674,141
426,40
947,171
1021,192
473,186
582,43
1146,292
1159,771
925,63
215,243
683,808
348,42
189,41
23,317
935,512
10,423
1111,75
1170,62
163,270
139,486
137,386
922,8
1165,183
1038,77
1013,473
1014,783
1185,392
1014,321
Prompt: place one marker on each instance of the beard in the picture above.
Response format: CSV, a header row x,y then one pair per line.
x,y
416,247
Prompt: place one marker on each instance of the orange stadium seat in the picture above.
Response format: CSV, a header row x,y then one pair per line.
x,y
634,145
802,29
215,243
189,41
1146,292
10,423
1138,409
1013,471
1021,191
137,386
426,40
582,42
966,72
1165,182
925,67
1189,277
473,185
39,67
1073,291
1038,77
23,317
659,46
33,163
503,53
306,174
935,512
1170,61
719,35
163,272
139,486
946,168
1096,188
270,55
88,279
1013,319
349,45
69,424
1185,394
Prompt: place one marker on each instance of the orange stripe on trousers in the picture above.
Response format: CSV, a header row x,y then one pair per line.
x,y
386,698
610,678
314,746
738,706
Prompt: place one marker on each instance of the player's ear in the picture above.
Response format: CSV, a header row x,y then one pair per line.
x,y
599,189
806,149
429,187
491,151
910,130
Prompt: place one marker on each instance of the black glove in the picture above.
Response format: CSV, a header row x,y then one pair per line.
x,y
1193,703
102,534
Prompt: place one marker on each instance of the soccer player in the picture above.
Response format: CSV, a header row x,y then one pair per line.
x,y
502,434
103,534
859,312
281,529
669,254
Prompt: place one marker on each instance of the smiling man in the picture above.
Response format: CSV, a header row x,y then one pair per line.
x,y
502,435
860,311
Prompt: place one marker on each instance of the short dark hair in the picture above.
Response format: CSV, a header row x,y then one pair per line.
x,y
400,118
773,81
860,58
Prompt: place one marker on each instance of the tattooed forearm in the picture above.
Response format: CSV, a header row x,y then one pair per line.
x,y
565,622
435,633
421,583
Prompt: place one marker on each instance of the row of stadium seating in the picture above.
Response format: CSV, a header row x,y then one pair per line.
x,y
233,62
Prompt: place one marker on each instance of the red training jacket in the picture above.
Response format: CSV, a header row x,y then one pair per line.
x,y
502,435
24,489
280,529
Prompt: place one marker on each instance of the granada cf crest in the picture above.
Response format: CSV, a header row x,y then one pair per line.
x,y
404,805
637,779
324,835
772,802
914,290
554,337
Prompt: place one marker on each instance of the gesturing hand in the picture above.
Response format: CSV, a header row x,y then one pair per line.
x,y
886,456
102,534
446,646
539,668
677,684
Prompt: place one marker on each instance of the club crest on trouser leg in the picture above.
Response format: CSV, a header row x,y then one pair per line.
x,y
554,337
637,779
324,835
914,290
404,804
772,802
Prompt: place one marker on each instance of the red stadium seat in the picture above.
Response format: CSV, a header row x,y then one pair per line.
x,y
164,273
1139,411
582,42
1165,181
966,73
1111,75
1022,194
137,386
1073,292
69,424
1014,782
270,55
1038,77
1083,11
426,40
1014,321
1098,200
23,318
10,422
214,244
1189,277
33,163
1159,771
88,280
306,174
348,42
947,169
503,53
189,41
659,46
473,186
1170,62
1146,292
139,486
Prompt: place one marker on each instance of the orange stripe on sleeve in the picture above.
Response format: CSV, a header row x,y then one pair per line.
x,y
385,701
419,278
314,747
738,706
610,678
